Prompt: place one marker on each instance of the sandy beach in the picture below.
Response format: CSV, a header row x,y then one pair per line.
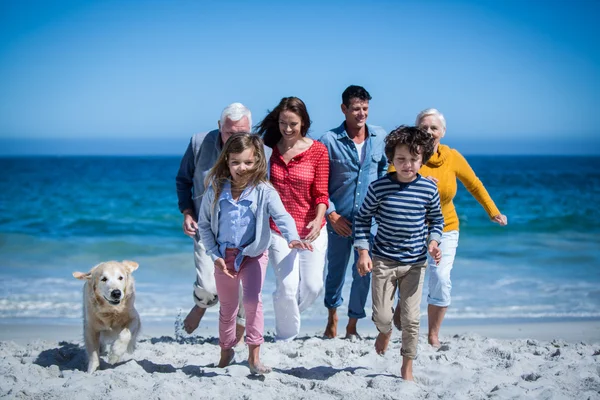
x,y
553,360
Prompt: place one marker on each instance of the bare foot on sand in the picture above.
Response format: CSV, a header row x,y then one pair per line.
x,y
382,342
331,328
226,358
192,320
434,341
407,371
351,332
239,334
259,368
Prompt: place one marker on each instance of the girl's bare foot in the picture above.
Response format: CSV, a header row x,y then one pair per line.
x,y
226,358
192,320
351,332
259,368
382,342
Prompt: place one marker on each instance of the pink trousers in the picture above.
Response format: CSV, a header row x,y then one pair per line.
x,y
252,274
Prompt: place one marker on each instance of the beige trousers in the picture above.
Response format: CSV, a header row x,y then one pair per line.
x,y
386,277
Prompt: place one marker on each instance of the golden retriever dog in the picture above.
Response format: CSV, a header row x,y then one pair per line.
x,y
109,315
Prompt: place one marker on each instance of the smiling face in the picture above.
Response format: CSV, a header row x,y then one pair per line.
x,y
356,113
407,164
230,127
240,164
290,125
432,125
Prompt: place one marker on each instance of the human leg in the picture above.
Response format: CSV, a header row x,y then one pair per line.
x,y
411,289
312,265
205,290
358,298
252,274
383,286
339,250
228,290
440,286
285,297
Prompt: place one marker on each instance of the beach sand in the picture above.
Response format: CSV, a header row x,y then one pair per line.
x,y
555,360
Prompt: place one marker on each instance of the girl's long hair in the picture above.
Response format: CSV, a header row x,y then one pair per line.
x,y
219,174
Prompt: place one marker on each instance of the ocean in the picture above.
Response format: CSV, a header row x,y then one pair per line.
x,y
65,214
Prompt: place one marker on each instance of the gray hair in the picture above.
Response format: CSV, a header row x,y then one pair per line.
x,y
427,113
235,112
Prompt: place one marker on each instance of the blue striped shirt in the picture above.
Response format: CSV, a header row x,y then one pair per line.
x,y
406,214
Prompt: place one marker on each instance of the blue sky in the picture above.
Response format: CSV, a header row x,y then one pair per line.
x,y
140,77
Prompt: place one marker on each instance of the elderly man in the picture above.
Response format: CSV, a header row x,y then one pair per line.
x,y
200,156
356,158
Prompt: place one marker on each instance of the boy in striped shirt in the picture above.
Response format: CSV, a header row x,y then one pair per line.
x,y
407,209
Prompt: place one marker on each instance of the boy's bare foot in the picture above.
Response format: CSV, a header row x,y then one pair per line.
x,y
382,342
407,371
331,328
351,332
226,358
239,334
434,341
397,320
192,320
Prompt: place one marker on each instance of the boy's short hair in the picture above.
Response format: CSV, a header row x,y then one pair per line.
x,y
417,140
355,92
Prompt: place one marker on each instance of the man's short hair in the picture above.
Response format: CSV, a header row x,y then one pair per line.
x,y
355,92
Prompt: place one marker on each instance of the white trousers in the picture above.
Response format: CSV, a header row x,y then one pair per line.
x,y
298,281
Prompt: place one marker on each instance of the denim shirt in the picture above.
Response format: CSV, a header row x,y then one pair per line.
x,y
201,154
349,179
237,222
267,205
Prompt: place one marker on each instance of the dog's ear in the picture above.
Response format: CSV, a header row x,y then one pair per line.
x,y
130,265
82,275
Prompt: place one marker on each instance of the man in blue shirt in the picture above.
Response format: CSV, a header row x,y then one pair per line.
x,y
199,158
356,158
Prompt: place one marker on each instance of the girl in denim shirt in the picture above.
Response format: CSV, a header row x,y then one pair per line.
x,y
233,223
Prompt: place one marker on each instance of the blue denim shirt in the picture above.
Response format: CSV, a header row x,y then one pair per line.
x,y
348,179
237,222
201,154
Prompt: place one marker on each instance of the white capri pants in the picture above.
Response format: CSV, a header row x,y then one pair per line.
x,y
440,284
298,281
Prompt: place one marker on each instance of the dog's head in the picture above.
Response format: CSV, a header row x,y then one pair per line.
x,y
110,280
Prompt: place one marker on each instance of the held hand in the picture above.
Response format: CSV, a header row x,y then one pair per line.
x,y
340,225
315,230
220,265
364,264
432,179
500,219
190,226
300,245
435,252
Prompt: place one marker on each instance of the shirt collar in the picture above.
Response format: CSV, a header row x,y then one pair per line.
x,y
249,194
342,131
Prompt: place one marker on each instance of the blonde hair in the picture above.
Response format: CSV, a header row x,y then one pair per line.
x,y
238,142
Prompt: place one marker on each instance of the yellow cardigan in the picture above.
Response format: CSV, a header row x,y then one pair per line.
x,y
447,165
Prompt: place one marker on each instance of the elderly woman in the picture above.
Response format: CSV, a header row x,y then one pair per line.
x,y
444,167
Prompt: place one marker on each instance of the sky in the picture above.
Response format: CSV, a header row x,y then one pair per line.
x,y
141,77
